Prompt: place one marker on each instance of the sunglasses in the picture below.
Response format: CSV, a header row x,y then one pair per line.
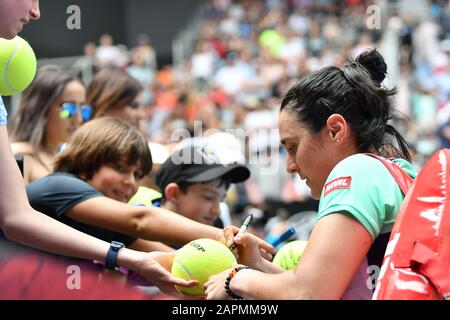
x,y
70,109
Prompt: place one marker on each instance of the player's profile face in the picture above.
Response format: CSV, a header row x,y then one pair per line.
x,y
306,154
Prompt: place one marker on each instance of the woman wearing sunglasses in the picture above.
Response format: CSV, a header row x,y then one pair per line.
x,y
116,94
51,109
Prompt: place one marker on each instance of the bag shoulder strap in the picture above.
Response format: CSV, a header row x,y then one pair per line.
x,y
403,180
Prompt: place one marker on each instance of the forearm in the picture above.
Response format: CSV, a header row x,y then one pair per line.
x,y
266,266
150,246
37,230
43,232
255,285
130,259
159,224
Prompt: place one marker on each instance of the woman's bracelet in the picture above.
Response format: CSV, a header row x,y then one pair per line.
x,y
228,281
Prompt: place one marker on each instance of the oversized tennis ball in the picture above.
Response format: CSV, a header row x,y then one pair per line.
x,y
17,65
200,259
290,254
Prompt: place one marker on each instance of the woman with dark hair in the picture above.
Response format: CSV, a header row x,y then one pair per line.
x,y
116,94
50,110
328,123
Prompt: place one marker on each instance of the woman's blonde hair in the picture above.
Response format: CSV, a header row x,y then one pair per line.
x,y
101,142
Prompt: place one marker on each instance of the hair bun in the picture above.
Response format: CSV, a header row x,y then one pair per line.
x,y
374,62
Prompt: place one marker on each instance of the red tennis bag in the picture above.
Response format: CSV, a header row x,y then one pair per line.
x,y
416,264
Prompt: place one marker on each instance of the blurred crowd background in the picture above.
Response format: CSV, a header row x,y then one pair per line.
x,y
233,65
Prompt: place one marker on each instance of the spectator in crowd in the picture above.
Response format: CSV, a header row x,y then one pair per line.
x,y
196,186
116,94
51,109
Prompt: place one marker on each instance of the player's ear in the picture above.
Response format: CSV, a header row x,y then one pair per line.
x,y
337,127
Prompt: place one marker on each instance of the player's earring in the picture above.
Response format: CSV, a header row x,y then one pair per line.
x,y
337,141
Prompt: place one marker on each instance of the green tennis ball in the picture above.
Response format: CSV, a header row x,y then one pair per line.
x,y
290,254
17,65
273,40
200,259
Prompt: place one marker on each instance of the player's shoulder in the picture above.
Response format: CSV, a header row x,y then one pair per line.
x,y
363,164
359,163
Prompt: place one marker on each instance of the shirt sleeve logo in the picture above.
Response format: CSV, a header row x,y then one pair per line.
x,y
338,183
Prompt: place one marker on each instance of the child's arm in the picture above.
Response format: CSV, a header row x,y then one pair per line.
x,y
150,223
149,246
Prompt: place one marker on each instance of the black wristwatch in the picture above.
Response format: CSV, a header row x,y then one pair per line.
x,y
111,256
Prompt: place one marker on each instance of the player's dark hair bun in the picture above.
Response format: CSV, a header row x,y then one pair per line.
x,y
374,62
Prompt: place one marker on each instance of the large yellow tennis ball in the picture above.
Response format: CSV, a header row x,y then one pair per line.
x,y
200,259
17,65
290,254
